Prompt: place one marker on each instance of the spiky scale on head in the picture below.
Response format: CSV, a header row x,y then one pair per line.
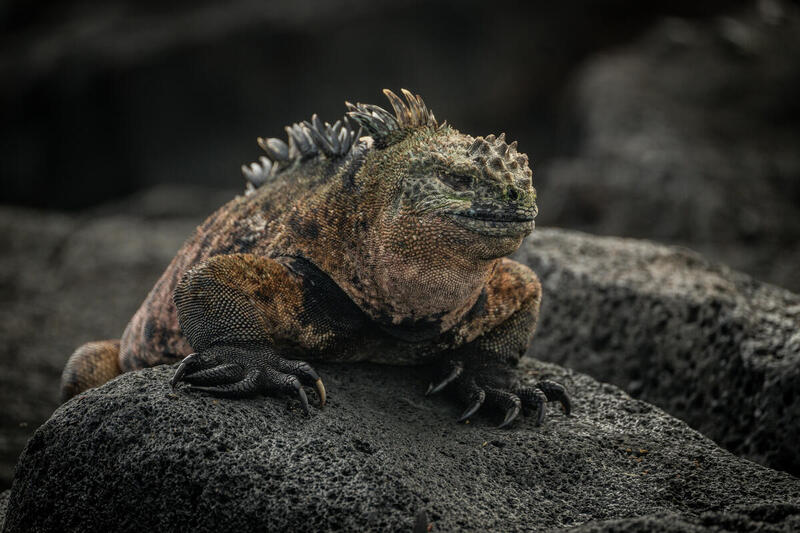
x,y
312,138
386,129
499,159
305,140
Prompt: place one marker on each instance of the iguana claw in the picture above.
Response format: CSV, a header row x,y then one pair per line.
x,y
472,409
556,392
321,392
457,369
511,414
182,369
303,398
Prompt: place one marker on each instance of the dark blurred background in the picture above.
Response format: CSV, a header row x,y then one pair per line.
x,y
674,120
122,124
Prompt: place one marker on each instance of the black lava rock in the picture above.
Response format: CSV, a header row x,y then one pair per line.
x,y
133,455
707,344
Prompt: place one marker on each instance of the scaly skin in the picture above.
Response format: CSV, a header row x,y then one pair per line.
x,y
389,248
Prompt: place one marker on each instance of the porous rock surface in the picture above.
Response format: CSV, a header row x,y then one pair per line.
x,y
132,455
709,345
4,504
70,279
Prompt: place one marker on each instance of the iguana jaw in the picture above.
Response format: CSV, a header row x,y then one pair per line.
x,y
493,224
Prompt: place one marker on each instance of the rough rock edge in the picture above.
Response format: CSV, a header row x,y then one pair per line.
x,y
4,496
728,345
367,429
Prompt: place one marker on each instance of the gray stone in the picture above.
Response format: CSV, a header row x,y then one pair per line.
x,y
66,280
751,518
133,456
707,344
4,505
690,135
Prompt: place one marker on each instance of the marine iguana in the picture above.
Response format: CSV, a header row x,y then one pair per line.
x,y
388,247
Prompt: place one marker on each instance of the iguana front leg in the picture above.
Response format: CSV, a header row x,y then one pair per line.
x,y
241,314
481,371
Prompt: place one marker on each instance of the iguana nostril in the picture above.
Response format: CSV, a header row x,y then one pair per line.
x,y
512,193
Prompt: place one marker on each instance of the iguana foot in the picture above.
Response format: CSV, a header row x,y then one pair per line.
x,y
232,372
477,389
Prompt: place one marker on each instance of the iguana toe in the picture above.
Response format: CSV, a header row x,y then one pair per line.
x,y
234,372
248,386
535,401
301,394
217,375
469,391
186,363
507,401
456,368
306,374
484,387
556,392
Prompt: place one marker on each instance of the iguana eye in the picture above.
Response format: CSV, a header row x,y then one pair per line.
x,y
457,182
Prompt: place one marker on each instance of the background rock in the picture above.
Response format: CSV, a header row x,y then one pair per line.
x,y
66,280
709,345
132,456
4,505
690,136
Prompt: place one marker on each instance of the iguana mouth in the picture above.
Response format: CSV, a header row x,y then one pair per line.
x,y
493,224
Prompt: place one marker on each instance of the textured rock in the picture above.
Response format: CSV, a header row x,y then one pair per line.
x,y
66,280
709,345
132,456
4,505
691,135
751,518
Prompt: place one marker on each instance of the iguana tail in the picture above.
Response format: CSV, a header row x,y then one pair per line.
x,y
91,365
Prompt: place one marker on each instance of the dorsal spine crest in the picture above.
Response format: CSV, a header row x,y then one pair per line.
x,y
315,138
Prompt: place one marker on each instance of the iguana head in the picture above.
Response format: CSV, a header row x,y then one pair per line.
x,y
408,219
472,194
428,183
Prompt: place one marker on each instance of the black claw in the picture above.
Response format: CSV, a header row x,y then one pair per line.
x,y
511,415
457,369
540,412
556,392
305,367
181,371
303,398
533,398
421,522
474,407
566,404
309,377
